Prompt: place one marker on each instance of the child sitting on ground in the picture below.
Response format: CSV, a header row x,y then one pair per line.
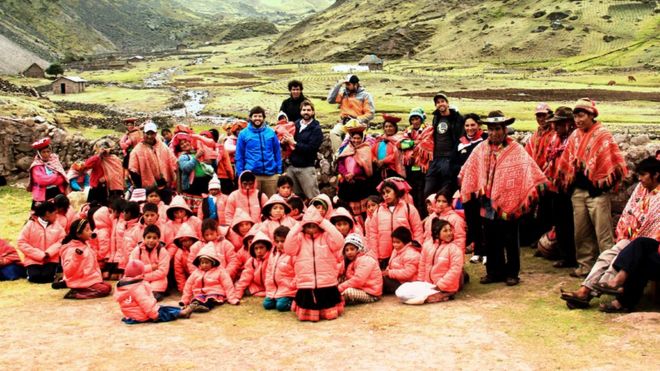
x,y
240,228
137,301
11,267
40,241
82,273
314,244
151,251
252,277
213,204
246,197
297,208
344,222
440,269
285,187
275,214
186,242
224,250
132,229
209,285
280,275
363,280
404,263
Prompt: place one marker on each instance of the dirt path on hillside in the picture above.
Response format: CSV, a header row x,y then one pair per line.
x,y
538,95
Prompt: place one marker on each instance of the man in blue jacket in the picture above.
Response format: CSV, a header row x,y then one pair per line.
x,y
306,141
258,150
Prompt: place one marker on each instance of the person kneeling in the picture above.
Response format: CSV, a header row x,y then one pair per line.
x,y
440,269
363,279
137,301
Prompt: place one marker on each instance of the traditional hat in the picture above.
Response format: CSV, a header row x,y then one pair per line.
x,y
391,118
207,134
561,114
239,124
586,104
354,126
138,195
214,183
130,120
497,118
182,128
542,108
417,112
41,144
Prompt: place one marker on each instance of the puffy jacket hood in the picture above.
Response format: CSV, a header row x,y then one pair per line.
x,y
184,231
341,213
208,252
240,179
312,216
274,200
260,237
240,216
326,200
178,203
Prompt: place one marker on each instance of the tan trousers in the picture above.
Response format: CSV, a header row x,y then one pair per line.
x,y
268,184
603,271
592,217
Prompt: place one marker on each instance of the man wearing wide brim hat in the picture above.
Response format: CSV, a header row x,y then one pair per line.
x,y
591,165
507,182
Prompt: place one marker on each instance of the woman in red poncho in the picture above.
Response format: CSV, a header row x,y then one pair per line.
x,y
354,167
47,176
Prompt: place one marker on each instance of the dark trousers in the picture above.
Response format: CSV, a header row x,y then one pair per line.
x,y
417,179
11,272
440,175
640,259
562,213
41,273
475,230
502,248
390,285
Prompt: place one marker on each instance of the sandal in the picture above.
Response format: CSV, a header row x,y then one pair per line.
x,y
573,301
605,288
611,308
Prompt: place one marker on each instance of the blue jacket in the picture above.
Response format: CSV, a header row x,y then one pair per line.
x,y
187,163
258,150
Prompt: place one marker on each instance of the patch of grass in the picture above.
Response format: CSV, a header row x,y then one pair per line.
x,y
15,201
93,133
142,100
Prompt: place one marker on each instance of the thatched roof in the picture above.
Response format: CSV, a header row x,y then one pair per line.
x,y
371,59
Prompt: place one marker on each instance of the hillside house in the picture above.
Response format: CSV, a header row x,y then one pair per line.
x,y
347,68
35,71
69,85
372,61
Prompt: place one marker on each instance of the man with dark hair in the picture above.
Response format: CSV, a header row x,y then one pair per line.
x,y
258,150
306,141
354,103
447,131
291,105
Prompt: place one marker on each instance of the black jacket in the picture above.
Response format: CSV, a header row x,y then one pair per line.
x,y
308,143
291,107
456,129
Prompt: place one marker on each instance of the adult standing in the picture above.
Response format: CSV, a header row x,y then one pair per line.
x,y
507,182
591,165
107,174
47,176
151,163
306,143
291,106
447,130
195,173
354,103
258,150
415,174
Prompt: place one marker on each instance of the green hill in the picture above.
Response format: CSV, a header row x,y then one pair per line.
x,y
463,30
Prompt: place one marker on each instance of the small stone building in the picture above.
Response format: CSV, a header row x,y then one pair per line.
x,y
35,71
372,61
69,85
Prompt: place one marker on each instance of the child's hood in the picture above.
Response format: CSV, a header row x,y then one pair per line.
x,y
327,201
208,251
274,200
260,237
431,199
184,231
178,203
339,213
239,217
355,240
240,180
312,216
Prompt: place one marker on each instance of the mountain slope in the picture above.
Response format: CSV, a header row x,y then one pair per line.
x,y
507,30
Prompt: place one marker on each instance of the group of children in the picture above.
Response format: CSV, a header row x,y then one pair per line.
x,y
311,260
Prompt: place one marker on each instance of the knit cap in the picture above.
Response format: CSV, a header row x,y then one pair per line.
x,y
417,112
355,240
214,183
134,268
586,104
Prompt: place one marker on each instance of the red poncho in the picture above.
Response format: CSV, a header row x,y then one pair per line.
x,y
640,217
507,176
538,144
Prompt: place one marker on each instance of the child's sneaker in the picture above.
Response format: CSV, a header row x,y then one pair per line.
x,y
199,308
475,259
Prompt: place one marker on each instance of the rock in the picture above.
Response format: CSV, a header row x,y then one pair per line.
x,y
555,16
606,17
569,28
540,29
620,138
608,38
573,18
556,25
24,163
640,140
539,14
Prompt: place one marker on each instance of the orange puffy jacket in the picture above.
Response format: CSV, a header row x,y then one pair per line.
x,y
80,270
441,265
35,241
404,264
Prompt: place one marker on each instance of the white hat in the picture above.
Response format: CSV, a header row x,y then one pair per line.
x,y
355,240
214,183
138,195
150,126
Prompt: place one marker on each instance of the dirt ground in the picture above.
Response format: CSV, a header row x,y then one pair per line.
x,y
526,95
486,327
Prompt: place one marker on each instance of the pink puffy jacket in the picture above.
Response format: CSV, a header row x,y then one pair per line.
x,y
249,201
183,258
315,257
379,231
253,276
363,273
35,241
280,276
215,281
441,265
136,300
224,250
80,270
158,256
117,249
132,237
8,254
404,264
103,227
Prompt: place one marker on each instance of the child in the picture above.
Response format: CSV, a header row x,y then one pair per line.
x,y
40,242
283,129
11,267
224,250
344,222
285,187
154,197
246,197
445,211
82,273
392,213
404,263
179,213
280,275
137,301
430,212
113,219
77,176
131,138
276,213
323,204
240,229
440,269
151,251
209,285
297,208
363,279
186,242
315,244
65,213
132,230
213,204
372,204
252,277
